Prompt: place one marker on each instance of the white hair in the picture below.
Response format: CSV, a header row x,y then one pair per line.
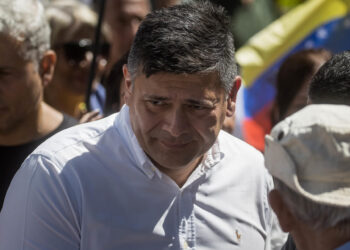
x,y
24,21
66,17
318,216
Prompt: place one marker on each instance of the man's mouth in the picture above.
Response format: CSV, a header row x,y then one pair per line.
x,y
174,145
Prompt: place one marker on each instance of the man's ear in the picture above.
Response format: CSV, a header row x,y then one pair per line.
x,y
47,67
285,217
127,84
231,100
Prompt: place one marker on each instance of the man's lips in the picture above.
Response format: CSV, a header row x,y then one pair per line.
x,y
174,145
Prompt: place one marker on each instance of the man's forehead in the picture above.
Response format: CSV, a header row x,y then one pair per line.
x,y
141,7
9,39
9,48
165,80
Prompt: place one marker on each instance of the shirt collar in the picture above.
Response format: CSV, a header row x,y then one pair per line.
x,y
212,157
123,125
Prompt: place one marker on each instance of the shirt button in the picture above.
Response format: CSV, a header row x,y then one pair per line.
x,y
185,245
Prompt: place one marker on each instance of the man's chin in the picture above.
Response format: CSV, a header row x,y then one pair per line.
x,y
171,161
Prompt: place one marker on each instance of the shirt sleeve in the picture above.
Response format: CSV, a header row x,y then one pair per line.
x,y
37,212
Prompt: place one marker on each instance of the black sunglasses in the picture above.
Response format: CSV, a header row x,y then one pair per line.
x,y
76,51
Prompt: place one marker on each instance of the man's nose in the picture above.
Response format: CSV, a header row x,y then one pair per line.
x,y
176,122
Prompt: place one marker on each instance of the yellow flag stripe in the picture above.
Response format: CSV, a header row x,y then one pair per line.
x,y
264,48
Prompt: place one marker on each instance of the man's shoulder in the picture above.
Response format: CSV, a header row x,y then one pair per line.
x,y
242,158
235,146
67,122
75,137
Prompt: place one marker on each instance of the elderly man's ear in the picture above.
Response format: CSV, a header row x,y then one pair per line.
x,y
47,67
285,217
231,100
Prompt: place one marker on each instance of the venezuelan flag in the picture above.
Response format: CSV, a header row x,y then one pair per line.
x,y
313,24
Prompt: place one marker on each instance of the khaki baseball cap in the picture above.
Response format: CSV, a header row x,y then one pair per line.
x,y
309,151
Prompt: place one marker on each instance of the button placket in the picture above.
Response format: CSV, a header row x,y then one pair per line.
x,y
187,232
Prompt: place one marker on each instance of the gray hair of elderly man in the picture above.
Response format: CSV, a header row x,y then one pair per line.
x,y
25,22
316,215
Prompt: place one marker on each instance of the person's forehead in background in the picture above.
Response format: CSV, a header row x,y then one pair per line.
x,y
126,10
124,18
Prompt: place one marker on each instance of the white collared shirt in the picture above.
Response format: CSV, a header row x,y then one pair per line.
x,y
92,187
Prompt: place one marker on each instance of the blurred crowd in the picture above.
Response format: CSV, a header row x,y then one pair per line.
x,y
65,83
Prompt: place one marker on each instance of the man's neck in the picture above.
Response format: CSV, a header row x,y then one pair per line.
x,y
37,125
180,174
62,99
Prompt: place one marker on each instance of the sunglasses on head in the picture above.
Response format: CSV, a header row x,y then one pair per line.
x,y
76,51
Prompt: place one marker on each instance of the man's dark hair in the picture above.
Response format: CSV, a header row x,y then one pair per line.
x,y
331,84
189,38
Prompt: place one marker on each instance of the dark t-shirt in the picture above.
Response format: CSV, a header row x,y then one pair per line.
x,y
13,156
289,245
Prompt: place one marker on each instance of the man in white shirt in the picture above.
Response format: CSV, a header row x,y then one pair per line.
x,y
160,174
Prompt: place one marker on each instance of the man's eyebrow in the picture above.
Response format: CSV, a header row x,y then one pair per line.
x,y
156,97
208,101
202,102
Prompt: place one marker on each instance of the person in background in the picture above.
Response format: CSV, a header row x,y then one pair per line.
x,y
293,81
72,32
157,4
160,174
308,156
330,85
115,87
123,18
26,68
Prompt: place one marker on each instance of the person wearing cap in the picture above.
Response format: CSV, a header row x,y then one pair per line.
x,y
161,173
330,85
26,68
308,155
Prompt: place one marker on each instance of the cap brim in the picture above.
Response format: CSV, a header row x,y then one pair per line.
x,y
282,167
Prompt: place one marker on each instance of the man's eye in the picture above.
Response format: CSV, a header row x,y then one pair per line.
x,y
197,107
156,102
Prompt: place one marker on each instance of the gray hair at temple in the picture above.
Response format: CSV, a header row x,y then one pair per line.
x,y
318,216
24,21
185,39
